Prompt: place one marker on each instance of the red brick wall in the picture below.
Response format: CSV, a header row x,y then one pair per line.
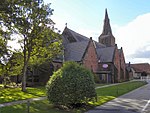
x,y
90,60
117,63
123,65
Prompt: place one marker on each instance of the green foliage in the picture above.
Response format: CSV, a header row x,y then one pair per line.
x,y
96,78
30,19
3,48
71,85
16,64
11,67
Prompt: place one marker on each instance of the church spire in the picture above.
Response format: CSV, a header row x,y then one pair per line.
x,y
107,37
106,15
106,27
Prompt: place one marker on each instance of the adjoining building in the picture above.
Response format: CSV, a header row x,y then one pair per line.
x,y
140,70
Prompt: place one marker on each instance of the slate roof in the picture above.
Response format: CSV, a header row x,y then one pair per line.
x,y
78,36
99,45
106,54
141,67
75,51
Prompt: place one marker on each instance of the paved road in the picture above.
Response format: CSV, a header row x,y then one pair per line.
x,y
137,101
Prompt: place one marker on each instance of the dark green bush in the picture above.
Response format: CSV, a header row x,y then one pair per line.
x,y
71,85
96,78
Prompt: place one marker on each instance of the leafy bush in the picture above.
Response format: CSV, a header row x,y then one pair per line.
x,y
96,79
71,85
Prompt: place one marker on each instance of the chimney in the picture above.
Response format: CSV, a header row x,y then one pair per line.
x,y
129,64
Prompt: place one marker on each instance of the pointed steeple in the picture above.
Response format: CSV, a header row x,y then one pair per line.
x,y
106,27
106,15
107,37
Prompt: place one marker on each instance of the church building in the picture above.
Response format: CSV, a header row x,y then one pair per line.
x,y
103,58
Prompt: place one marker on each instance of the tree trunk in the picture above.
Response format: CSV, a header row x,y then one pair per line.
x,y
25,65
24,78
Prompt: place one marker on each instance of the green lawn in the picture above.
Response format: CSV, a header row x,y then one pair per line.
x,y
10,94
104,95
14,94
108,93
36,107
119,89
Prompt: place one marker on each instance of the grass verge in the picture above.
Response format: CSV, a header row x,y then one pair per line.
x,y
104,95
108,93
14,94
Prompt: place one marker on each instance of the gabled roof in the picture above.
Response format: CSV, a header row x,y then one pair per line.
x,y
141,67
106,54
68,33
78,36
99,45
75,51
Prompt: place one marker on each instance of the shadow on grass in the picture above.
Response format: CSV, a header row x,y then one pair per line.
x,y
10,94
35,107
101,100
37,91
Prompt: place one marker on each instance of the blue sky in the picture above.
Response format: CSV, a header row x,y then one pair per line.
x,y
121,11
129,19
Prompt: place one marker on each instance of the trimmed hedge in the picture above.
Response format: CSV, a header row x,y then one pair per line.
x,y
71,85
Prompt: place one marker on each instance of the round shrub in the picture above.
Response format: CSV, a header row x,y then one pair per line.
x,y
71,85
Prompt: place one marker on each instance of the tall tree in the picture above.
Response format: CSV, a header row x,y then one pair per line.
x,y
31,20
4,49
12,67
4,37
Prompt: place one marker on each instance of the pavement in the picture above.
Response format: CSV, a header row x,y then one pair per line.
x,y
137,101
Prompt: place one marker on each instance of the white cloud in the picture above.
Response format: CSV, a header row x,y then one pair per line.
x,y
135,39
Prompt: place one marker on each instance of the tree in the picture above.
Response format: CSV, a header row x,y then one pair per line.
x,y
31,20
72,85
11,66
4,50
